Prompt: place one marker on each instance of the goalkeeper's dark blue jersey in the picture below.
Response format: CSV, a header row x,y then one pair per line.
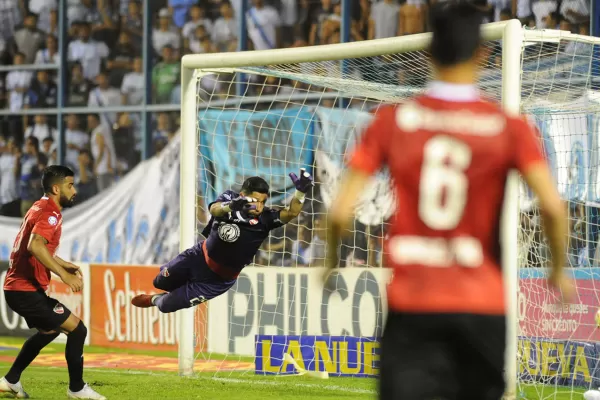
x,y
232,241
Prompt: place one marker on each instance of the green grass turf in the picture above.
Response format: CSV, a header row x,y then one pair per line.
x,y
50,383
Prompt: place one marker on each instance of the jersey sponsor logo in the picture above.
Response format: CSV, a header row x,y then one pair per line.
x,y
229,232
253,221
52,220
59,309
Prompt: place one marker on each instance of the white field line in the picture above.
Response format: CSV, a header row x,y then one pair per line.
x,y
333,388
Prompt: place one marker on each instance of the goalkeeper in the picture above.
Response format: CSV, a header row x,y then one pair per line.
x,y
239,224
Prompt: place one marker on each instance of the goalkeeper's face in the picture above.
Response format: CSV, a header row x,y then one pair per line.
x,y
259,204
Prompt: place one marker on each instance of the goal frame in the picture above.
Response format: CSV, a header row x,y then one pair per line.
x,y
512,35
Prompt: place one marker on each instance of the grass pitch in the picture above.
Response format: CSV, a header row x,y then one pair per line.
x,y
50,382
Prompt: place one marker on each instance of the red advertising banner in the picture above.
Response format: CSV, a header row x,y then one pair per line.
x,y
116,323
541,314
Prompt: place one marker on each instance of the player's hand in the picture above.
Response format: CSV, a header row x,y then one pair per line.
x,y
242,204
563,284
73,281
73,269
304,182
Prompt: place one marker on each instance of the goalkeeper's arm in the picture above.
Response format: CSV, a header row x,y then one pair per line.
x,y
303,183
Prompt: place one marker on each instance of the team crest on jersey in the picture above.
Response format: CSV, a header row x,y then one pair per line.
x,y
165,272
52,220
229,232
253,221
59,309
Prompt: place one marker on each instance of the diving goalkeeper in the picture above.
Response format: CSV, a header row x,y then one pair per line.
x,y
239,224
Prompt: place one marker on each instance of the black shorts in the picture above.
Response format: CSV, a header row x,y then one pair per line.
x,y
39,310
442,356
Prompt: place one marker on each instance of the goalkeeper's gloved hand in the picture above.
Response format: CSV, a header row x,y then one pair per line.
x,y
241,204
302,184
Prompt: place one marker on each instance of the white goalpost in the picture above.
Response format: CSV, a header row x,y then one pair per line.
x,y
303,107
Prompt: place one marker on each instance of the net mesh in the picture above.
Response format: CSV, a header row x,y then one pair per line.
x,y
309,115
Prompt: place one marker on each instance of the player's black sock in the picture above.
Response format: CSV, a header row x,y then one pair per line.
x,y
74,357
31,348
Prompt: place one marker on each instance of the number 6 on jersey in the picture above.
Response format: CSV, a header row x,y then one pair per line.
x,y
443,187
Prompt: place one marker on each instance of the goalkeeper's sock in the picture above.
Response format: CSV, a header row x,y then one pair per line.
x,y
155,297
74,357
31,348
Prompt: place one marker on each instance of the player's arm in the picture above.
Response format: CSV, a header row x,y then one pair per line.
x,y
534,169
303,183
69,267
37,248
365,160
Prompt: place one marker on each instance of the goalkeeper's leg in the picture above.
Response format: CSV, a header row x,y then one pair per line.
x,y
178,271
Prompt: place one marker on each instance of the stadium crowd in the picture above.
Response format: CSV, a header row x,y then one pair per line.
x,y
105,69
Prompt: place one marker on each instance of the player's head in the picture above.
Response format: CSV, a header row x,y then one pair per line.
x,y
456,44
256,187
57,181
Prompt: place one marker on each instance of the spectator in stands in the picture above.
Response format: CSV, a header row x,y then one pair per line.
x,y
50,54
134,85
31,163
201,43
576,11
28,40
10,17
103,152
384,21
79,87
41,129
197,18
413,17
47,149
105,96
133,23
17,83
124,137
263,26
43,92
84,177
76,140
541,9
225,30
43,8
103,26
89,53
165,76
9,194
163,132
120,60
181,9
165,35
289,16
318,21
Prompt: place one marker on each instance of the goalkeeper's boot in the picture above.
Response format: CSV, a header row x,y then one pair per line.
x,y
145,300
15,389
85,393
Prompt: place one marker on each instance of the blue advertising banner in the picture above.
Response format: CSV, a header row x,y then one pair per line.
x,y
237,144
337,355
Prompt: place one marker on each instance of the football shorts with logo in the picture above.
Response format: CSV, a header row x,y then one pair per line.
x,y
38,309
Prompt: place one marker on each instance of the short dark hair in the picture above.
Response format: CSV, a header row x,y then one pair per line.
x,y
255,184
53,175
456,32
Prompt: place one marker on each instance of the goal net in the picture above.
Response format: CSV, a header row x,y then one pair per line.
x,y
272,113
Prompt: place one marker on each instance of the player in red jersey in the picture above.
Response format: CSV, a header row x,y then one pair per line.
x,y
31,261
449,153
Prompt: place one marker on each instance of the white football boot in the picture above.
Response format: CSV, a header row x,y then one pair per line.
x,y
85,393
16,389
